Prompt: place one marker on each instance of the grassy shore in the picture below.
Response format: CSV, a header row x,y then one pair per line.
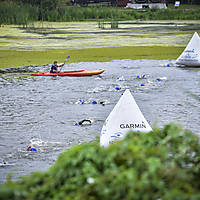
x,y
13,58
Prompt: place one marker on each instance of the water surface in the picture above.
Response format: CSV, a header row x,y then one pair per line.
x,y
43,110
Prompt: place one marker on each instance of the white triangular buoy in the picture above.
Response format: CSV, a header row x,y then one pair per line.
x,y
124,117
191,55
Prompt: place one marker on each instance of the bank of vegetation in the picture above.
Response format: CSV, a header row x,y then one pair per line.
x,y
162,164
25,12
106,54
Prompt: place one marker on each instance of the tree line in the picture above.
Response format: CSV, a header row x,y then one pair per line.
x,y
25,12
42,4
22,12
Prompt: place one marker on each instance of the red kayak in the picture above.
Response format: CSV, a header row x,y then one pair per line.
x,y
71,73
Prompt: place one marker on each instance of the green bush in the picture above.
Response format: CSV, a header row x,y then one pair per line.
x,y
163,164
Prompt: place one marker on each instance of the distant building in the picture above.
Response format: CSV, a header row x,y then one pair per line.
x,y
141,4
124,2
146,3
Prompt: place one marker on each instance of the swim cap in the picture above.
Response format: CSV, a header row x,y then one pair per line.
x,y
94,102
33,149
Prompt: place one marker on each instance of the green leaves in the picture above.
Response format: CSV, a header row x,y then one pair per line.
x,y
162,164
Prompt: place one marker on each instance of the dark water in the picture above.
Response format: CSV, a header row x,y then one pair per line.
x,y
43,110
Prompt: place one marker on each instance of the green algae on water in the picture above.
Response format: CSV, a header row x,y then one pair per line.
x,y
13,58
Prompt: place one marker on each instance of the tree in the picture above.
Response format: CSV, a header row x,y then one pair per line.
x,y
43,4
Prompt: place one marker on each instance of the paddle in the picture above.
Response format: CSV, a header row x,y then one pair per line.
x,y
64,62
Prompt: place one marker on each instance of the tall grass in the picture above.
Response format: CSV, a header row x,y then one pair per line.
x,y
90,13
23,14
172,14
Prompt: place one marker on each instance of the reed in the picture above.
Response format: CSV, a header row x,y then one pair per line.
x,y
16,13
172,14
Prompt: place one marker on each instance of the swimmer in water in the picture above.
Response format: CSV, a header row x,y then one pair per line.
x,y
31,148
85,122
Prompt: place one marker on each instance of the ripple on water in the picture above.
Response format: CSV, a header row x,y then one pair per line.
x,y
42,111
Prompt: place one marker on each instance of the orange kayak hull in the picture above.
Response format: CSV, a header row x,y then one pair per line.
x,y
77,73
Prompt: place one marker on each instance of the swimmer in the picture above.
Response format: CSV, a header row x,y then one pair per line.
x,y
3,162
31,148
85,122
143,76
102,103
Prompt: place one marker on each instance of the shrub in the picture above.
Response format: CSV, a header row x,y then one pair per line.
x,y
163,164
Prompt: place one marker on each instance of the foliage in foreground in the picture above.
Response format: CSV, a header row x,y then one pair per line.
x,y
163,164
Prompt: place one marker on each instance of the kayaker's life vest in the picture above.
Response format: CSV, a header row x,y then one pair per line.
x,y
53,67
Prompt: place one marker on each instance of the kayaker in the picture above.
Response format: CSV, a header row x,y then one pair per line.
x,y
54,67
